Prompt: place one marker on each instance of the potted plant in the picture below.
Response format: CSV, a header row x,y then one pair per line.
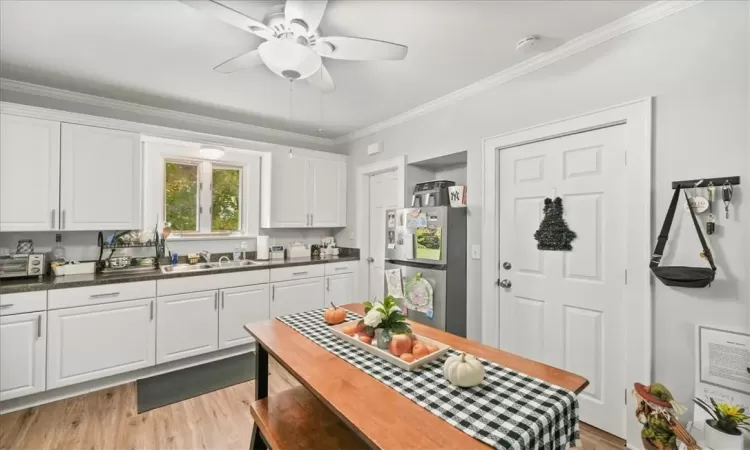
x,y
657,411
384,319
723,430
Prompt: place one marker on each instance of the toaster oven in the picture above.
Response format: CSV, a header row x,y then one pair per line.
x,y
22,265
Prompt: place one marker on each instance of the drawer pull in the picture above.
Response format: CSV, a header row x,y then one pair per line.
x,y
340,268
108,294
7,305
299,273
39,326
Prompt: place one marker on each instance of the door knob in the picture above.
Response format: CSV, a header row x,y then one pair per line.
x,y
507,265
505,284
370,259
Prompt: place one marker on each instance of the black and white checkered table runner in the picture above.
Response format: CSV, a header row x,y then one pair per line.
x,y
508,410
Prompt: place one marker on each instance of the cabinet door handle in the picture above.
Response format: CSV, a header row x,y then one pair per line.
x,y
328,284
222,300
63,220
273,293
7,305
216,301
108,294
311,219
151,314
39,326
52,219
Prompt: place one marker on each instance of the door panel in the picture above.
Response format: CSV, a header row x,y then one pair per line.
x,y
91,342
29,174
328,193
187,325
289,185
100,179
23,354
239,306
289,297
384,195
565,308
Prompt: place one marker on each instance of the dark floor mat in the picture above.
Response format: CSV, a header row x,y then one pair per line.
x,y
162,390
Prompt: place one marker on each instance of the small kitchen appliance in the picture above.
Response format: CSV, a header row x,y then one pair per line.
x,y
22,265
432,193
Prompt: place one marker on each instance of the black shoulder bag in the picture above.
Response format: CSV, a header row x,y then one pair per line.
x,y
681,276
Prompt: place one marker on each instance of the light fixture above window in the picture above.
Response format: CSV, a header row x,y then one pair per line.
x,y
211,152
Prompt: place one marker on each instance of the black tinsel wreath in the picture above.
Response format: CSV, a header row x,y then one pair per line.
x,y
553,232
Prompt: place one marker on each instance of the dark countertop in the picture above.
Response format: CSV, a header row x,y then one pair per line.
x,y
13,286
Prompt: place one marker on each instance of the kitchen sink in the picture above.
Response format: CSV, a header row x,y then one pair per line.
x,y
182,268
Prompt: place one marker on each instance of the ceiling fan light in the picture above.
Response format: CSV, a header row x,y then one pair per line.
x,y
211,152
289,59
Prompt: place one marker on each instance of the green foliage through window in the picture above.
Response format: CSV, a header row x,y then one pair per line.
x,y
225,199
181,196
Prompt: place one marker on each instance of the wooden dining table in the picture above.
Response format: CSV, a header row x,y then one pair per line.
x,y
382,417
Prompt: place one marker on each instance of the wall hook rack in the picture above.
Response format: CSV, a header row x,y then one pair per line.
x,y
704,182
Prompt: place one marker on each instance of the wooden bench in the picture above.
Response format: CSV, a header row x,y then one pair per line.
x,y
295,419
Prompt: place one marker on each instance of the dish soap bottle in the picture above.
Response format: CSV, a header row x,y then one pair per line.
x,y
58,251
236,253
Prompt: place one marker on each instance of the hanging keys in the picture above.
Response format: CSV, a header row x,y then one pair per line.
x,y
726,196
711,222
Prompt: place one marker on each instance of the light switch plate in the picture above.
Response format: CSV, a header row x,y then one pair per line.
x,y
475,252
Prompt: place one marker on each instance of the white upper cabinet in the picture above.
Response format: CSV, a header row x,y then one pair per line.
x,y
303,192
327,193
101,179
289,182
29,174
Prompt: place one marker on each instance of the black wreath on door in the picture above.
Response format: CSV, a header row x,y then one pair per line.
x,y
553,232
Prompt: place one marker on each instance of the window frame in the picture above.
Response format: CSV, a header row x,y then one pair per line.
x,y
157,152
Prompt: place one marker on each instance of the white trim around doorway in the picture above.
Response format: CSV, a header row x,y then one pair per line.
x,y
636,116
398,165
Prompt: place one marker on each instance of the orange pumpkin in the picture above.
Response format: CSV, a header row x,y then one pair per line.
x,y
361,327
365,338
334,315
408,357
350,329
432,348
420,350
400,344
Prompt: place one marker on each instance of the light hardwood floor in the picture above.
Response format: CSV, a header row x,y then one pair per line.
x,y
107,419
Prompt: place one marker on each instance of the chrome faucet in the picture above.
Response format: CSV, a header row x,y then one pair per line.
x,y
222,260
206,256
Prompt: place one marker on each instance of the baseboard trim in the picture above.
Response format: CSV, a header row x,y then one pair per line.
x,y
62,393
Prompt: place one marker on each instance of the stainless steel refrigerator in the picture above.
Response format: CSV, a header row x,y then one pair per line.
x,y
444,268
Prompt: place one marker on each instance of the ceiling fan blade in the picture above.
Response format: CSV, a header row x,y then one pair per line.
x,y
359,49
231,16
241,62
309,11
321,80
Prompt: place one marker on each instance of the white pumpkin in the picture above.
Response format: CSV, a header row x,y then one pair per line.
x,y
463,370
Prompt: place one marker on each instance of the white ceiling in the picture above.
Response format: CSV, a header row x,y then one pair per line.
x,y
161,53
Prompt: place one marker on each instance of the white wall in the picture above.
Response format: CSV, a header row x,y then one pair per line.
x,y
695,63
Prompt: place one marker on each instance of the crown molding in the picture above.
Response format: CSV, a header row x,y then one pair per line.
x,y
186,118
630,22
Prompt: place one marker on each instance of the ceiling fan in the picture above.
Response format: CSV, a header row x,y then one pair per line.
x,y
294,46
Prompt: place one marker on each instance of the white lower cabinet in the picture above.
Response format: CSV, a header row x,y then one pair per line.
x,y
96,341
187,325
239,306
289,297
339,289
23,351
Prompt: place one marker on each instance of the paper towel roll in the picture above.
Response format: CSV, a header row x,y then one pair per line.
x,y
262,248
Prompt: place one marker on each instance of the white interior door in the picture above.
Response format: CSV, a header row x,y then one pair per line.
x,y
566,308
384,195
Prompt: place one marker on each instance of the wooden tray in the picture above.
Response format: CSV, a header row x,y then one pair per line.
x,y
388,356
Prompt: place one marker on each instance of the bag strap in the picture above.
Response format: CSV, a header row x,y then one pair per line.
x,y
661,242
706,250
